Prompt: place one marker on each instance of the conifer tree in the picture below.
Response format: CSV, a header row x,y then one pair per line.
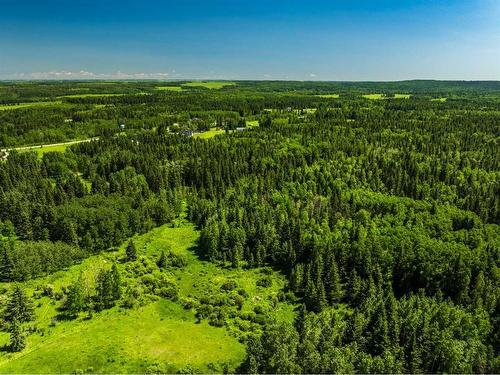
x,y
300,319
131,251
333,286
162,260
17,338
104,289
6,263
236,255
19,307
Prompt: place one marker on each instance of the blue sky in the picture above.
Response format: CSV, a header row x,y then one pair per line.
x,y
253,39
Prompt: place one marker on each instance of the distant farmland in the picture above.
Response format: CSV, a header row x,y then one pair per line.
x,y
210,84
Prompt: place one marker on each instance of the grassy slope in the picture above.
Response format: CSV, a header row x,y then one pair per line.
x,y
161,332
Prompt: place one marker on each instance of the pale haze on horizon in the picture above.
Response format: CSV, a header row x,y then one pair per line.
x,y
220,39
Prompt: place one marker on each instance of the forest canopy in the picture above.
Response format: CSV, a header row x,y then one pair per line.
x,y
382,215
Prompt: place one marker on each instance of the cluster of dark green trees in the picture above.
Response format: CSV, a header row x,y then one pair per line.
x,y
52,216
384,215
18,310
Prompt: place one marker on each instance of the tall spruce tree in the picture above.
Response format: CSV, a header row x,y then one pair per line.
x,y
17,338
6,263
131,251
162,260
104,289
19,307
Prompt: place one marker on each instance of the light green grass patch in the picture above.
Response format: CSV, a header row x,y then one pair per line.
x,y
442,100
252,123
128,341
373,96
209,133
6,107
210,84
40,150
169,88
402,96
329,96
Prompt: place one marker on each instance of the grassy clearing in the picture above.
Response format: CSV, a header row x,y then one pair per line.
x,y
383,96
373,96
209,84
40,150
329,96
209,133
252,123
128,342
169,88
442,100
159,336
6,107
57,147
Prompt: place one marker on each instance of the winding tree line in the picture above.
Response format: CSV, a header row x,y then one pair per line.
x,y
383,215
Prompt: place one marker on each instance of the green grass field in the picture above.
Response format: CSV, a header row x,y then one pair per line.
x,y
169,88
161,333
442,100
252,123
209,133
383,96
6,107
373,96
159,336
40,150
209,84
329,96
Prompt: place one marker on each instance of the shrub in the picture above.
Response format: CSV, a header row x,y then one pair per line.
x,y
229,285
265,282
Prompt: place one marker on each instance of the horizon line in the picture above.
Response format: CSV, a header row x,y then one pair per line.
x,y
239,80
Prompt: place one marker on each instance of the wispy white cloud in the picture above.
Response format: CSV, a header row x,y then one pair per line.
x,y
83,74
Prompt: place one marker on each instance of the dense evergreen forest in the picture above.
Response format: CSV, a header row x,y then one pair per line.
x,y
382,212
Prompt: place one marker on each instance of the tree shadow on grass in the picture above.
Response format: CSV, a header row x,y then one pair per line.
x,y
196,250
